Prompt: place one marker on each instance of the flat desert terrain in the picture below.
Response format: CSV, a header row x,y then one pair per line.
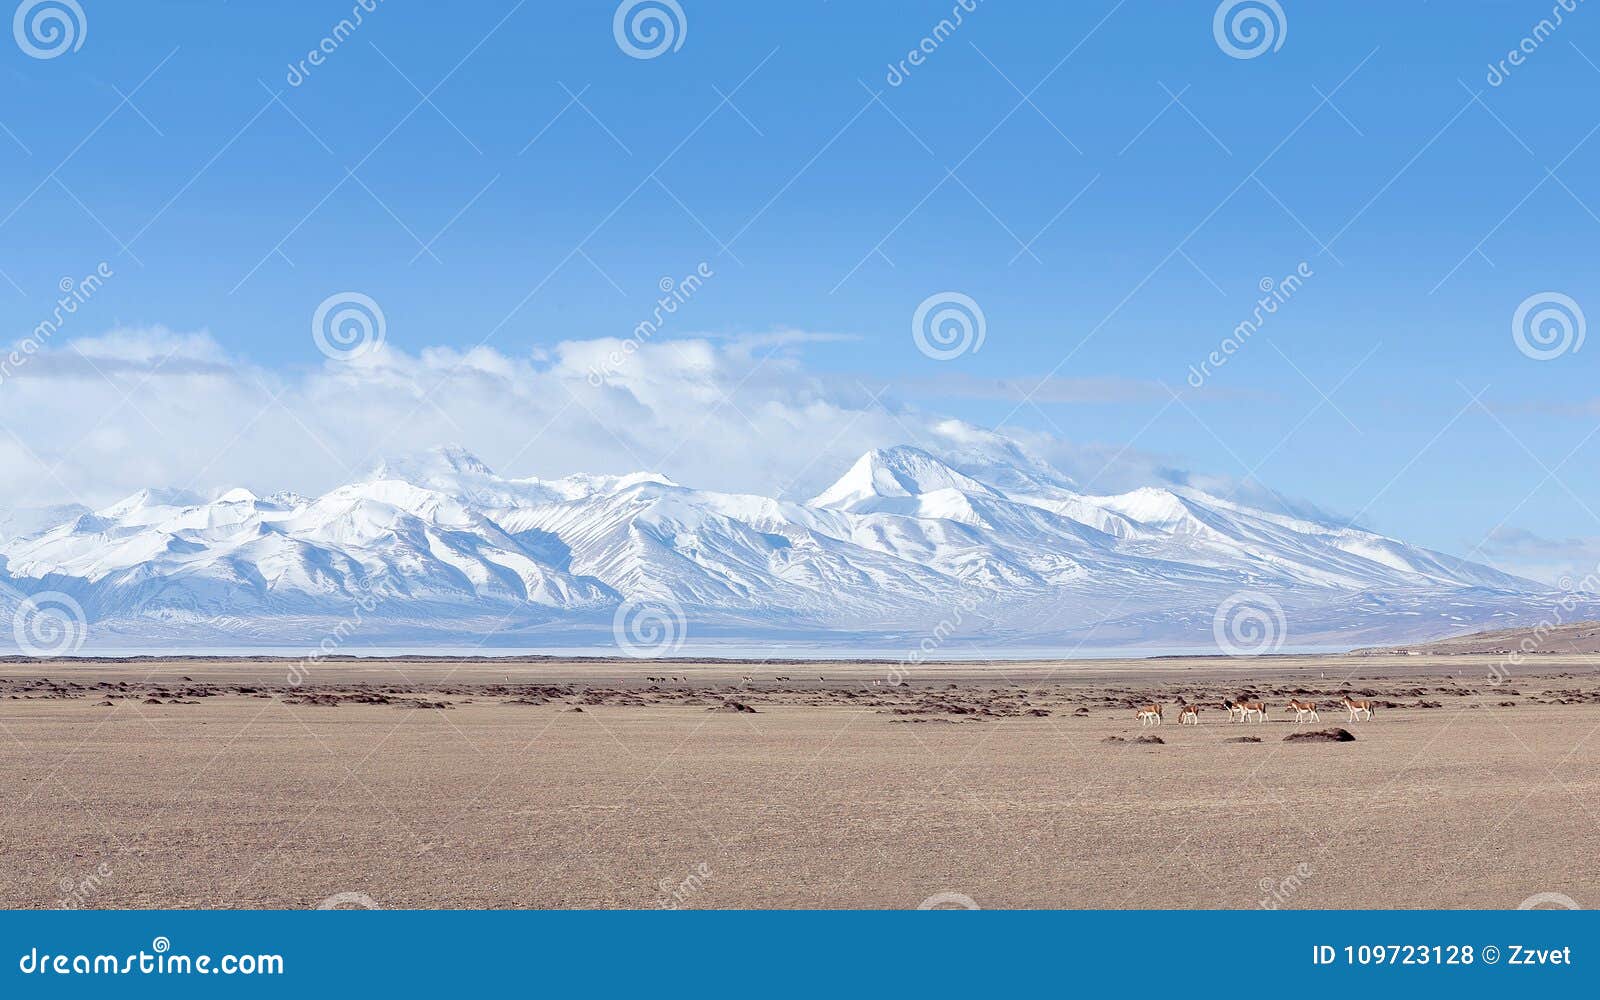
x,y
214,783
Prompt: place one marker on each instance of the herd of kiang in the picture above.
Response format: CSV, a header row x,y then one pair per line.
x,y
1360,710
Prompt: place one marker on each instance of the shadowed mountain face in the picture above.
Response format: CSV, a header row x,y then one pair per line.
x,y
993,548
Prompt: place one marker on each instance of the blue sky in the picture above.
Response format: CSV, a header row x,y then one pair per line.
x,y
1103,179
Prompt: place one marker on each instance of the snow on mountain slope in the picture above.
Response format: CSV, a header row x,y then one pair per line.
x,y
882,478
21,523
436,547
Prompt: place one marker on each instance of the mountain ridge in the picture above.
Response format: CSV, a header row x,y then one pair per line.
x,y
442,547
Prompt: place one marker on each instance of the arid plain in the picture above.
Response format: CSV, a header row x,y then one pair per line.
x,y
418,784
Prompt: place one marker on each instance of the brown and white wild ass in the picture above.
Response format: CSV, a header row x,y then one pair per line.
x,y
1148,715
1189,715
1303,710
1248,708
1357,707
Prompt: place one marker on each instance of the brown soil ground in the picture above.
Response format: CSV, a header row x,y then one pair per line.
x,y
218,784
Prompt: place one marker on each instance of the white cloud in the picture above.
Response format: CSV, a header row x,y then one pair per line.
x,y
1564,563
96,419
1108,389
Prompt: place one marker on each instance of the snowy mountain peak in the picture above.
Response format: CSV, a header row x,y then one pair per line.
x,y
150,499
998,461
901,472
440,464
582,484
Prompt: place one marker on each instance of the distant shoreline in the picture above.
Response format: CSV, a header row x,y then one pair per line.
x,y
601,659
432,673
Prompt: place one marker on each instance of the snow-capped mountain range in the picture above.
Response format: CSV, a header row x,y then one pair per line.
x,y
991,549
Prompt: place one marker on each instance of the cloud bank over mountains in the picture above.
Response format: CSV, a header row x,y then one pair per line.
x,y
94,419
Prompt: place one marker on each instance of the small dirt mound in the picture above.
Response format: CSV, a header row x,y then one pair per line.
x,y
732,706
1147,738
1242,739
313,698
1335,734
